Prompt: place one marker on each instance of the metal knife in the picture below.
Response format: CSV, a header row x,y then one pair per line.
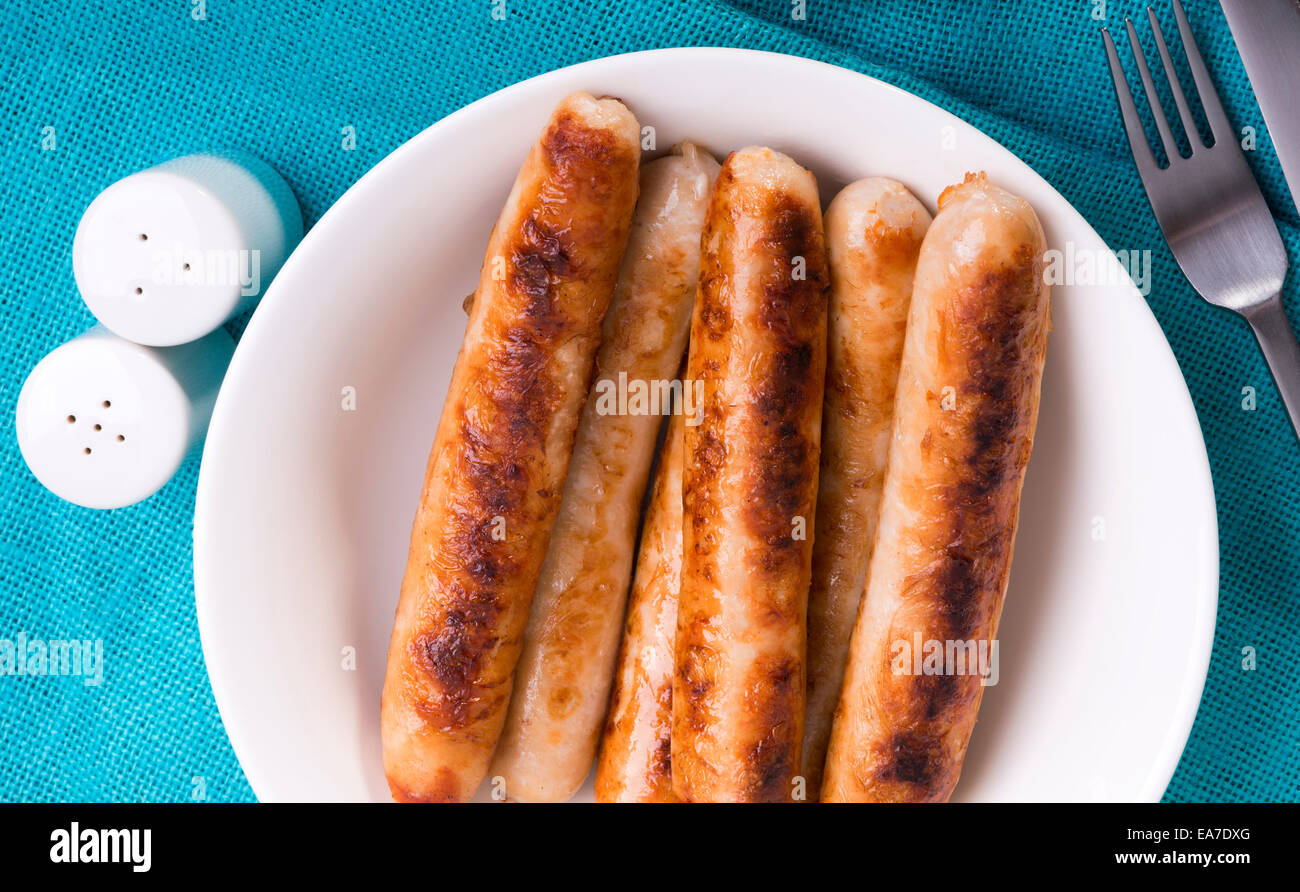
x,y
1267,33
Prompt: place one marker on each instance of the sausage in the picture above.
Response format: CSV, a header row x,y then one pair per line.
x,y
635,763
964,416
874,229
567,664
492,487
758,342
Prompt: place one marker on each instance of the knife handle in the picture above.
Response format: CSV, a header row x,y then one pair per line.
x,y
1281,351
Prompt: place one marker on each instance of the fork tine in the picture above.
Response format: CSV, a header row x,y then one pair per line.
x,y
1220,126
1153,98
1171,75
1137,137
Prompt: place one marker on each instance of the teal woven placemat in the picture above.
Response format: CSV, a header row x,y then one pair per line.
x,y
92,93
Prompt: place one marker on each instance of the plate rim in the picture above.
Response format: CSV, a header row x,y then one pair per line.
x,y
1163,768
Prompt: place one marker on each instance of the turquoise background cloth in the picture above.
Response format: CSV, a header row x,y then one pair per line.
x,y
127,85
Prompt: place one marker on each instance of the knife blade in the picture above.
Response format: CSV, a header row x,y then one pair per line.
x,y
1267,34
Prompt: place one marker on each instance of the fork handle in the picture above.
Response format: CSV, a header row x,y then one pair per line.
x,y
1281,351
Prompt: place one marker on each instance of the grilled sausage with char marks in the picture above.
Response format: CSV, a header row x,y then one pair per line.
x,y
499,458
964,416
758,342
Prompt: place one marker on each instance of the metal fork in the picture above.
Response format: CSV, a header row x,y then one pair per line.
x,y
1209,206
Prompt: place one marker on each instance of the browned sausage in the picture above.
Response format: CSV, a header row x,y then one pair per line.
x,y
964,418
874,229
758,342
499,458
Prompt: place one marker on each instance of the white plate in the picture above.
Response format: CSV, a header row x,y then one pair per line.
x,y
304,509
